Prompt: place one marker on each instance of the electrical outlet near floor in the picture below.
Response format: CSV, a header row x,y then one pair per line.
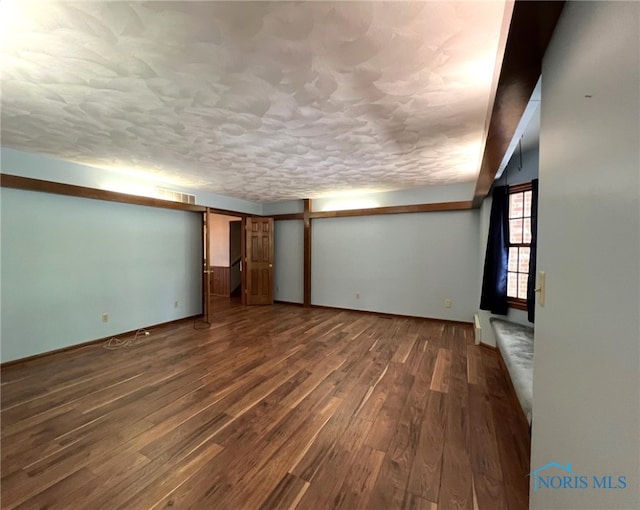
x,y
448,303
357,295
105,317
176,303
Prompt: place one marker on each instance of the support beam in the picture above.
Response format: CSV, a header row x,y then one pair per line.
x,y
307,252
29,184
374,211
395,209
532,24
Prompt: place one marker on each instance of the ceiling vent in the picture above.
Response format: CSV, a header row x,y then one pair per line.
x,y
176,196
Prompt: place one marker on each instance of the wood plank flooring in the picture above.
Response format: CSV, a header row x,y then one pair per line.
x,y
275,407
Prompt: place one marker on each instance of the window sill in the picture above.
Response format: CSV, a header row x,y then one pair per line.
x,y
518,304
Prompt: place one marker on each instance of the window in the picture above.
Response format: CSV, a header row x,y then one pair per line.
x,y
519,244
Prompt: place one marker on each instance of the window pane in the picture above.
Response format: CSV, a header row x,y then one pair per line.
x,y
516,204
513,259
515,231
522,285
512,285
523,260
526,234
527,203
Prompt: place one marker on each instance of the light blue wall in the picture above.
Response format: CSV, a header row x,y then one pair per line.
x,y
288,261
586,390
347,253
66,261
283,207
427,195
405,264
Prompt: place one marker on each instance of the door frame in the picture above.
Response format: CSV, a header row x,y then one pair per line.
x,y
206,263
207,309
243,260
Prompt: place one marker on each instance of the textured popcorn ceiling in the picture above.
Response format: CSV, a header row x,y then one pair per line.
x,y
256,100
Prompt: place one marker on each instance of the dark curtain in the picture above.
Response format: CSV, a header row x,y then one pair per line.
x,y
531,285
494,282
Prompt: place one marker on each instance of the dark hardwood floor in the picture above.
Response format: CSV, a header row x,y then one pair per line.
x,y
272,407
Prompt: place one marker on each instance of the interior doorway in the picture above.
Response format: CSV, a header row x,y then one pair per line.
x,y
225,256
238,258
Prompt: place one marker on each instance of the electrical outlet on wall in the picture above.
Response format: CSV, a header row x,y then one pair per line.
x,y
105,317
176,303
448,303
357,295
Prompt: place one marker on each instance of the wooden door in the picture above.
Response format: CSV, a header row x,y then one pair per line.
x,y
206,281
259,261
235,257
